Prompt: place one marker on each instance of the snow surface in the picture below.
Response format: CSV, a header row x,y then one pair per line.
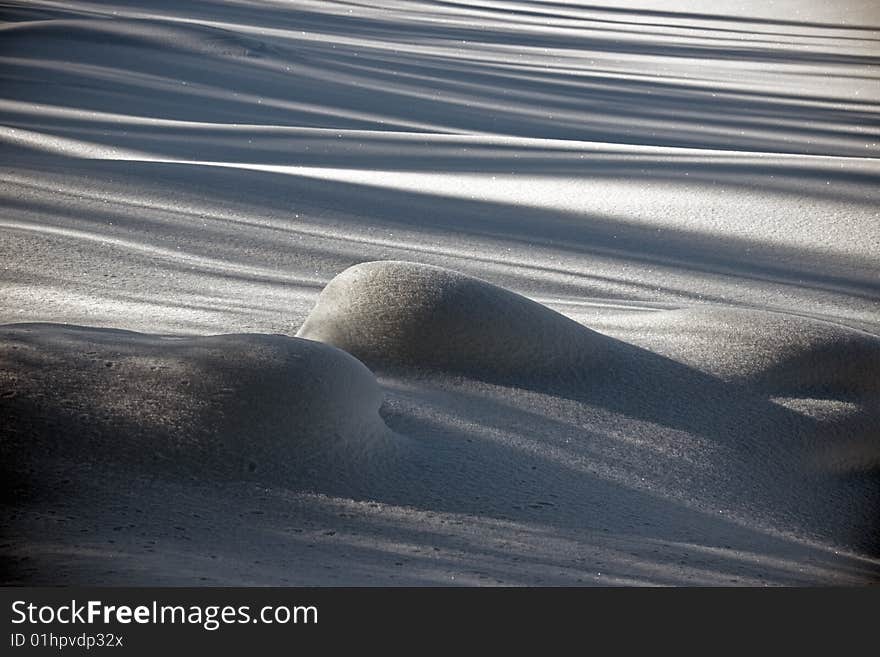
x,y
620,313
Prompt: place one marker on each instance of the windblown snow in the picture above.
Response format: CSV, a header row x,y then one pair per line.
x,y
410,292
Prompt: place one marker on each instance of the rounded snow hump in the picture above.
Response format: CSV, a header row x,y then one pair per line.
x,y
229,405
392,314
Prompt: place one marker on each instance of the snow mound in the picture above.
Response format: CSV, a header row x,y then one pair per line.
x,y
776,353
225,405
393,314
775,386
396,315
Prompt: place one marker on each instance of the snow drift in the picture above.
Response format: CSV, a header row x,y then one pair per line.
x,y
407,315
657,365
269,406
791,400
